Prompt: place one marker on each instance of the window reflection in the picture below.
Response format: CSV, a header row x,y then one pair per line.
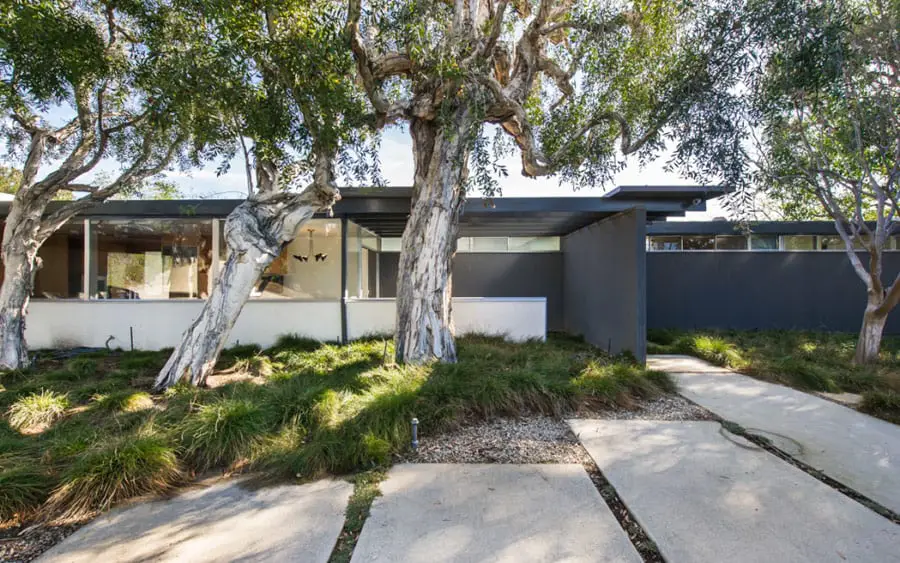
x,y
151,259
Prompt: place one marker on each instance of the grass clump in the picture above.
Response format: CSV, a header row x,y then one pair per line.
x,y
124,468
224,431
23,486
365,491
37,409
620,385
884,404
124,401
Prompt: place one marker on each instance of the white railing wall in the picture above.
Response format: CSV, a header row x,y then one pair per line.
x,y
517,318
159,324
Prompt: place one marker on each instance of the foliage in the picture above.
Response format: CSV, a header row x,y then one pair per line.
x,y
221,432
124,468
10,179
883,404
325,408
37,409
365,491
23,485
576,87
824,96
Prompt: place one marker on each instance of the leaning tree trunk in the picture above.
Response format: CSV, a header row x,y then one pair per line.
x,y
255,233
869,344
424,316
21,241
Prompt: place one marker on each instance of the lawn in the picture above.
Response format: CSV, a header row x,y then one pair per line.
x,y
809,361
79,435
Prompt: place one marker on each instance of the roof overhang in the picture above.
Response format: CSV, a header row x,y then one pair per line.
x,y
384,211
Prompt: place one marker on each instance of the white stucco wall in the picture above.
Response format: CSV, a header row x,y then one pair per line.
x,y
159,324
517,318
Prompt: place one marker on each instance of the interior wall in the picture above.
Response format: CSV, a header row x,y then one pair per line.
x,y
604,272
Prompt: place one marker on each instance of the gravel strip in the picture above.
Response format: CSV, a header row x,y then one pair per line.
x,y
22,549
537,439
668,407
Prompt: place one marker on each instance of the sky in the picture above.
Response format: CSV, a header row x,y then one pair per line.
x,y
397,169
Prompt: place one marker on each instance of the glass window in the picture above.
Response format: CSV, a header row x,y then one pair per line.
x,y
309,267
533,244
489,244
698,243
798,242
390,244
61,275
763,242
731,242
151,259
369,239
831,243
664,243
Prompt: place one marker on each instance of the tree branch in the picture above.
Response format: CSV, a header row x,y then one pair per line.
x,y
370,74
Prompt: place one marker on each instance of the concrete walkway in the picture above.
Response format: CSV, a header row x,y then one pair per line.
x,y
224,522
706,496
855,449
432,513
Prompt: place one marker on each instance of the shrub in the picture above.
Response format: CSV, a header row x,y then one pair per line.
x,y
619,385
717,351
23,486
883,404
126,467
142,361
82,368
295,343
37,409
124,401
223,431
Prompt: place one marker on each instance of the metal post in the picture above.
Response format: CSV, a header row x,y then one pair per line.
x,y
344,279
216,253
86,275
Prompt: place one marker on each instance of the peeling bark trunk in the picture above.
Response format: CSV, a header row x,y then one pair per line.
x,y
869,344
424,315
255,233
21,241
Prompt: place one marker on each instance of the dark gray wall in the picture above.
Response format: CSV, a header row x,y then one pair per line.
x,y
537,274
604,283
759,290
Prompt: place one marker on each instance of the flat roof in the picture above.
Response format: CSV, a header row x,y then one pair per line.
x,y
384,211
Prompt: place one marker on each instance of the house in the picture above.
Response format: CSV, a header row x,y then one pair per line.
x,y
135,273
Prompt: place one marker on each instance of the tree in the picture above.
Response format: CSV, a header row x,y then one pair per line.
x,y
826,96
287,89
577,86
92,62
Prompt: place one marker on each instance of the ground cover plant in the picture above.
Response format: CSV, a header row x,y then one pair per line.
x,y
809,361
80,435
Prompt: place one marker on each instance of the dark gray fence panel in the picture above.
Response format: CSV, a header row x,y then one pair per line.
x,y
759,290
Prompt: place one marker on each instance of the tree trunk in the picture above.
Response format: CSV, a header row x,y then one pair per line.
x,y
255,232
19,268
424,316
21,241
869,344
